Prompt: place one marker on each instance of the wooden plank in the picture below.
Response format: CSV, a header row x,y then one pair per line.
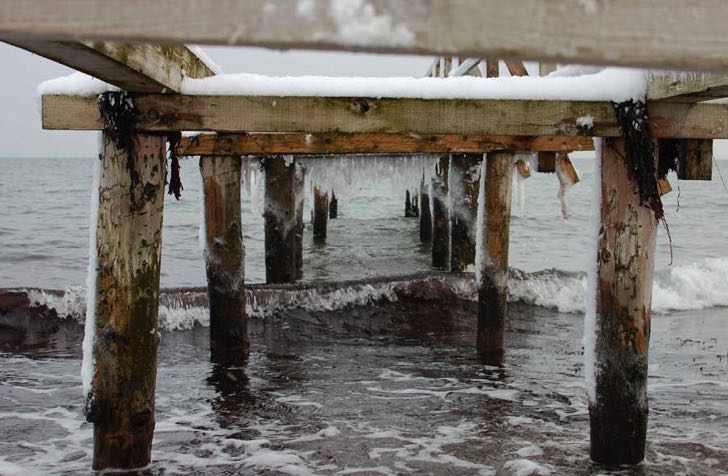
x,y
341,143
143,68
516,68
687,87
668,34
391,116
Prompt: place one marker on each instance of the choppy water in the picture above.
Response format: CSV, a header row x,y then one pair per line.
x,y
390,388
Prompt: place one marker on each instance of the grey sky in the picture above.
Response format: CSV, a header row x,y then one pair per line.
x,y
20,128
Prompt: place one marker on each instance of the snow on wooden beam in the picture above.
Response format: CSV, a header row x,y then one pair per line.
x,y
142,68
340,143
687,87
161,113
619,32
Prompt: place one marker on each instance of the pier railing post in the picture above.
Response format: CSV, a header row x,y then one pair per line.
x,y
129,249
320,214
625,266
493,282
224,257
464,177
440,215
280,219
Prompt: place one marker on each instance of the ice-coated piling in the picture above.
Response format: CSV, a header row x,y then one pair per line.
x,y
279,214
224,258
320,214
129,249
625,264
300,182
440,215
493,267
464,175
425,213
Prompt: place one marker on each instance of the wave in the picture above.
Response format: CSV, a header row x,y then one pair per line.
x,y
695,286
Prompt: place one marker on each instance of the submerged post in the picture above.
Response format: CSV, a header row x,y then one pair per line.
x,y
224,258
425,214
493,279
625,266
320,214
440,215
463,188
280,219
129,248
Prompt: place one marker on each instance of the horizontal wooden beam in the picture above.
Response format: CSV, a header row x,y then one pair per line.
x,y
160,112
668,34
143,68
686,87
340,143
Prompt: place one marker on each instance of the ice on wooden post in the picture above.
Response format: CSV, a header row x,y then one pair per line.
x,y
464,174
492,268
425,213
129,248
279,213
300,182
440,215
320,214
621,321
224,258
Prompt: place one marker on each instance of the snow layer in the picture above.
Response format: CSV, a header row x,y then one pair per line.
x,y
609,84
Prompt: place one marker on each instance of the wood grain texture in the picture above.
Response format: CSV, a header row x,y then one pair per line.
x,y
464,177
280,214
142,68
348,143
687,87
670,33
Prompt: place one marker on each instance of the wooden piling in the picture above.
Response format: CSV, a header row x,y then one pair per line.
x,y
224,258
320,214
333,206
493,282
696,163
129,248
425,214
440,215
625,261
299,190
280,219
409,208
464,175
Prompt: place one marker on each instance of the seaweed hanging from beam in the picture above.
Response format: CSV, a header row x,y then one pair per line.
x,y
175,181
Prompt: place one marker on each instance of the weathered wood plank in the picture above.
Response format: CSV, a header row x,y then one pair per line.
x,y
143,68
670,34
342,143
365,115
687,87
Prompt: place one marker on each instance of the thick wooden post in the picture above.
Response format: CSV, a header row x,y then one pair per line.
x,y
464,177
280,219
625,265
129,248
493,282
300,179
320,214
224,258
440,215
425,214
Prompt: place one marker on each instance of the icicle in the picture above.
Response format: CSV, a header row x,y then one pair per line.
x,y
88,365
567,176
479,225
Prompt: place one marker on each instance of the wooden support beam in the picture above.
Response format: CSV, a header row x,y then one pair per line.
x,y
280,220
300,193
516,68
399,116
141,68
464,176
625,262
546,162
493,283
320,214
697,161
425,213
608,31
440,215
342,143
224,258
129,249
686,87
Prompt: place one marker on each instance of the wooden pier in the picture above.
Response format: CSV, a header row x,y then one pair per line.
x,y
146,59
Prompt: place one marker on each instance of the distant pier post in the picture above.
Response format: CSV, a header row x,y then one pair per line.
x,y
224,258
320,214
333,206
280,219
440,215
425,214
493,285
300,181
625,266
464,177
129,249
